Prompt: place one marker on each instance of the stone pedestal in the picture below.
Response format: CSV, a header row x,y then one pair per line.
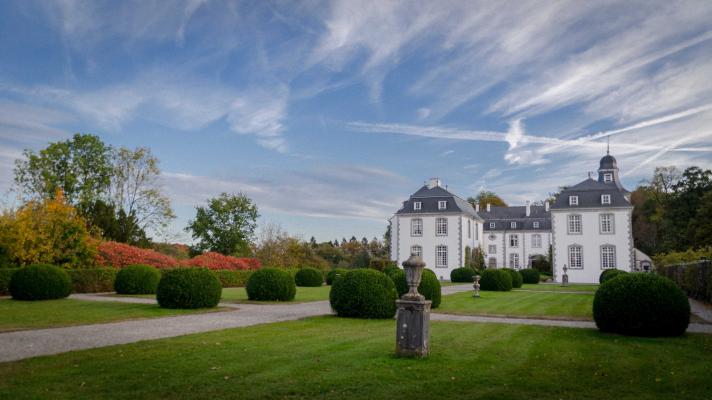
x,y
413,327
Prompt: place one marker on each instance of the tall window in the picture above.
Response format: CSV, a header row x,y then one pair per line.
x,y
536,240
491,225
574,223
608,177
605,199
417,205
469,228
416,227
513,240
514,260
606,222
416,251
441,256
608,256
575,257
441,226
492,262
573,200
442,204
492,249
513,225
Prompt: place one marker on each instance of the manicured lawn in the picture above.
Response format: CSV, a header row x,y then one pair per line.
x,y
304,294
18,315
520,304
333,358
556,287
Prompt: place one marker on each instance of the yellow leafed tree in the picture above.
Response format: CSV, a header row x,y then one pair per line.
x,y
48,231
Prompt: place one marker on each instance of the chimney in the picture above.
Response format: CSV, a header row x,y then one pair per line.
x,y
546,206
529,208
477,207
433,182
488,207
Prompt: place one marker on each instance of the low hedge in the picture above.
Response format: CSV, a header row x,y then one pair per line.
x,y
137,279
530,275
463,274
609,274
5,275
309,277
331,275
271,284
517,278
93,280
188,288
40,282
364,293
641,304
694,278
429,286
496,280
381,264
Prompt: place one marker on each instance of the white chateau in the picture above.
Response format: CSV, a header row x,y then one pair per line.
x,y
588,229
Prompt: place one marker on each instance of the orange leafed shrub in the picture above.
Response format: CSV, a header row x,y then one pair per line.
x,y
120,255
213,260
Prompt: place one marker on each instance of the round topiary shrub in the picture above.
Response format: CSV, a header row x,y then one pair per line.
x,y
137,279
40,282
271,284
462,274
530,275
641,305
496,280
609,274
331,275
364,293
188,288
310,277
429,286
517,278
391,271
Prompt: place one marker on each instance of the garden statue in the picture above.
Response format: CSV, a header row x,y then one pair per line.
x,y
565,278
476,285
413,318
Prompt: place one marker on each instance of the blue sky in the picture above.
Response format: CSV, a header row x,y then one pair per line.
x,y
329,114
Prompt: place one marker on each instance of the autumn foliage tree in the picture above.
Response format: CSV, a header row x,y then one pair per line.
x,y
48,231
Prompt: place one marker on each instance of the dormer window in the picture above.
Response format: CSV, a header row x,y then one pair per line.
x,y
442,204
605,199
513,225
417,206
536,224
573,200
608,177
491,225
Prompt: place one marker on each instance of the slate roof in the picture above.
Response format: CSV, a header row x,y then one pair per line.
x,y
502,217
589,195
429,197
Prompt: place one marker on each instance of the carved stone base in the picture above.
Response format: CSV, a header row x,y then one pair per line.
x,y
413,328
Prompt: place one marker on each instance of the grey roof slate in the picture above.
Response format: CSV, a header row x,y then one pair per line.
x,y
589,195
429,198
502,217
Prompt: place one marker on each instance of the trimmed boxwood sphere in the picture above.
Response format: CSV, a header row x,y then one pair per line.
x,y
40,282
641,304
188,288
496,280
364,293
271,284
517,278
462,274
331,275
310,277
429,286
530,275
609,274
137,279
391,271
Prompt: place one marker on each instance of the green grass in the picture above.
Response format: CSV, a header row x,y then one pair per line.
x,y
20,315
520,304
556,287
239,295
333,358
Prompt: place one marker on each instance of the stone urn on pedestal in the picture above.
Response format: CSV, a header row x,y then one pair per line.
x,y
413,318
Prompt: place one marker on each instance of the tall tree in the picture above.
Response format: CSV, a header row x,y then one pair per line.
x,y
682,206
702,223
225,225
486,197
80,167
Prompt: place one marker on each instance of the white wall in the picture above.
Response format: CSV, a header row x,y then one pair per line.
x,y
525,250
591,240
